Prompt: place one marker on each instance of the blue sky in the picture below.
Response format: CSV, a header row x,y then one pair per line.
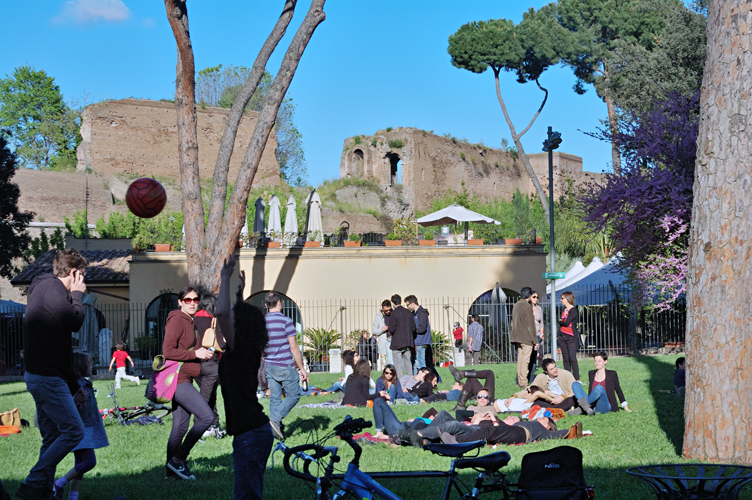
x,y
370,65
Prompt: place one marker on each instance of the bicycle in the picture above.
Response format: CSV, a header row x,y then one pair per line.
x,y
125,414
363,485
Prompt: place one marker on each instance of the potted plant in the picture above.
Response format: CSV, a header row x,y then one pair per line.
x,y
353,241
314,239
392,240
476,241
270,242
513,241
428,239
162,247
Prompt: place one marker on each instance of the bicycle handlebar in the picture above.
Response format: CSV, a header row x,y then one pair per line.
x,y
351,426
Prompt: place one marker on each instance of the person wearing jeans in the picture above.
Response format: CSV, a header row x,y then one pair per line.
x,y
604,388
402,329
282,355
54,310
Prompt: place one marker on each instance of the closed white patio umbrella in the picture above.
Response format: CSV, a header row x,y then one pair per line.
x,y
275,220
313,216
291,220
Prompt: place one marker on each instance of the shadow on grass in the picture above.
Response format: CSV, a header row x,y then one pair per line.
x,y
313,425
669,408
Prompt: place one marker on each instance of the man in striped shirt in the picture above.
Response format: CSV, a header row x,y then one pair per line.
x,y
281,357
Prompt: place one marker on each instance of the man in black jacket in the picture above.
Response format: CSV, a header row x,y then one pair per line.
x,y
54,310
402,330
523,334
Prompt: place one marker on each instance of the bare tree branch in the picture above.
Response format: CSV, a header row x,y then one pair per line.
x,y
545,98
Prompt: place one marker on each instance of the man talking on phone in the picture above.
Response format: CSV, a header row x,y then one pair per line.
x,y
54,311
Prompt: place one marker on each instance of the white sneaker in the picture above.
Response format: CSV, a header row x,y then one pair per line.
x,y
138,381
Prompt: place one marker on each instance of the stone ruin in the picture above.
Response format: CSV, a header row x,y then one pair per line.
x,y
422,166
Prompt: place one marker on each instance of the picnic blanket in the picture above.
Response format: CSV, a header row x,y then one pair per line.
x,y
327,404
370,437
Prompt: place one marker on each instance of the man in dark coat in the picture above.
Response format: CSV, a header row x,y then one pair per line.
x,y
523,333
54,311
402,328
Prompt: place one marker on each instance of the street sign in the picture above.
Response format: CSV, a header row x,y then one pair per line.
x,y
554,276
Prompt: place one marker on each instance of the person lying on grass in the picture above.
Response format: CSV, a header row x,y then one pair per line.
x,y
522,400
388,426
511,430
452,395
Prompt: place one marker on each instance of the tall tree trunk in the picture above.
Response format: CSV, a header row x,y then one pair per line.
x,y
719,341
518,144
613,122
206,250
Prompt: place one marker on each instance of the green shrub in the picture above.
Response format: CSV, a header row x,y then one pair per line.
x,y
429,235
374,142
357,139
389,129
396,144
392,237
462,155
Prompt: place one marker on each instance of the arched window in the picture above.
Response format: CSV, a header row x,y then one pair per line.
x,y
495,315
356,164
149,343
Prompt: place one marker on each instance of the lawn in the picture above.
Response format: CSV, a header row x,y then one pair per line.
x,y
133,465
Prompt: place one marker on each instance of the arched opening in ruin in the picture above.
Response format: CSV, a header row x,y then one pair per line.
x,y
395,166
356,164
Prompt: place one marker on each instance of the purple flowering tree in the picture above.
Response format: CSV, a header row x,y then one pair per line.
x,y
646,211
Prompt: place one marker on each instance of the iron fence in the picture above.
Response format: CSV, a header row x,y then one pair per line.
x,y
610,323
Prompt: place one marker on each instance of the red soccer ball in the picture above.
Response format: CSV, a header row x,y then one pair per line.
x,y
145,197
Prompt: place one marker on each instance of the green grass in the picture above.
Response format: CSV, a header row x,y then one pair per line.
x,y
133,464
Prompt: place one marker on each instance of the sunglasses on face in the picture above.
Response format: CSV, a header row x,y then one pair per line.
x,y
189,300
482,396
535,296
389,373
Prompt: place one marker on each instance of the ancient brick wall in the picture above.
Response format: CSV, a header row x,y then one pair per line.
x,y
140,137
432,164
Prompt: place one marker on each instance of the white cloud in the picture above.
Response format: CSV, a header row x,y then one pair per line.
x,y
148,22
93,11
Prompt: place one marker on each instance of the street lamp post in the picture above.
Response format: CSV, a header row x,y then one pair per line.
x,y
553,140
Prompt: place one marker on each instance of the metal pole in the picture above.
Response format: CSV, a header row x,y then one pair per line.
x,y
554,322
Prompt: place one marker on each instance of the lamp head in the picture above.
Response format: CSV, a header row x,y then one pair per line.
x,y
552,141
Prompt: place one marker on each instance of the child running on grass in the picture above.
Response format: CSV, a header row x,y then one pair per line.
x,y
95,435
120,356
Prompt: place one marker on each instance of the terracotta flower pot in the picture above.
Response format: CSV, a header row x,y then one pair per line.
x,y
427,243
513,241
352,243
393,243
312,244
538,241
475,242
162,247
273,244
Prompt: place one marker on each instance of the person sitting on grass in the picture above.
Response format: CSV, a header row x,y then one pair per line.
x,y
680,376
389,382
511,430
95,435
483,403
472,386
350,358
604,387
246,336
119,358
409,382
356,387
425,389
559,382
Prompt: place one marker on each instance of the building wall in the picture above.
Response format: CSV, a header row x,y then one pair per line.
x,y
356,274
139,137
432,164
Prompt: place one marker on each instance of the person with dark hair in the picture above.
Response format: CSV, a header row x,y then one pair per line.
x,y
368,348
208,380
423,339
523,334
54,310
537,356
246,338
350,358
556,381
511,430
424,389
604,387
95,437
180,344
568,337
380,330
474,339
680,376
472,386
402,329
282,356
356,389
389,383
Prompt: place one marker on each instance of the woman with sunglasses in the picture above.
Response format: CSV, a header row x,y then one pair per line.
x,y
483,403
389,383
538,349
180,344
568,334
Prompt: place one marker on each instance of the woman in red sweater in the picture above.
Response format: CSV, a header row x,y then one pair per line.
x,y
180,345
